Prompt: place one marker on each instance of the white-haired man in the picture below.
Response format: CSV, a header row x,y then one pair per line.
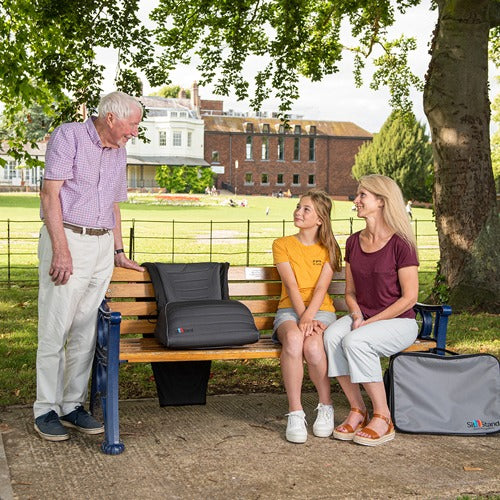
x,y
80,242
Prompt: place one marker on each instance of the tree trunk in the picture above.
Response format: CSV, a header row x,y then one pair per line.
x,y
457,106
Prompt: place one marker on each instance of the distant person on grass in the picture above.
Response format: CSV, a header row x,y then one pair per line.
x,y
381,274
84,181
306,262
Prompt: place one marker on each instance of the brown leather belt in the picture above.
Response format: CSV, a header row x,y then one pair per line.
x,y
85,230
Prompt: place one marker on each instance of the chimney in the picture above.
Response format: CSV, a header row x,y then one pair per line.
x,y
195,98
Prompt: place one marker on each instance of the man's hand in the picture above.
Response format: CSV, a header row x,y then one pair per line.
x,y
121,260
61,267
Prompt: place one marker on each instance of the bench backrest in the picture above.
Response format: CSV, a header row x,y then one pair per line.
x,y
259,288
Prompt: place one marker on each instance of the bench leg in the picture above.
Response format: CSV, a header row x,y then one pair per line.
x,y
441,326
105,378
112,444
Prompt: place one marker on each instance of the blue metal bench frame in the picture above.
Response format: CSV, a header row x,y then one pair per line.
x,y
434,324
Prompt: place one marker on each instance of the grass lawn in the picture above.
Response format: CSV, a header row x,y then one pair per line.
x,y
184,231
204,229
18,312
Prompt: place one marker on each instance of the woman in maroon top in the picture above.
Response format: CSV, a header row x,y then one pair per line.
x,y
381,290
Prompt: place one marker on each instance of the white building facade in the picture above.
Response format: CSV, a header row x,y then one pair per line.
x,y
176,135
14,175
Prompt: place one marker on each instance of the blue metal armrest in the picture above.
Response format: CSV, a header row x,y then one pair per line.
x,y
437,316
105,376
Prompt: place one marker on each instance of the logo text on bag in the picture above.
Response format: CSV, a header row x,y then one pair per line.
x,y
479,424
183,330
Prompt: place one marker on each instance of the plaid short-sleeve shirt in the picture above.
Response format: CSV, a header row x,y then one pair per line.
x,y
94,176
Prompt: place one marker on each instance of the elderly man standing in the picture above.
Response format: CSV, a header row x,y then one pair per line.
x,y
80,241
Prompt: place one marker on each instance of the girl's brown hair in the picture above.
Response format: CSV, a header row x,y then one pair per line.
x,y
323,206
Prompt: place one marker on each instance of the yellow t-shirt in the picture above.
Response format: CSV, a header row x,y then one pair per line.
x,y
307,263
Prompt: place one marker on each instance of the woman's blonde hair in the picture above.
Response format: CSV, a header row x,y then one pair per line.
x,y
323,206
394,211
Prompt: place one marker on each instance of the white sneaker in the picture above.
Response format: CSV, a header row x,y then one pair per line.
x,y
296,429
323,426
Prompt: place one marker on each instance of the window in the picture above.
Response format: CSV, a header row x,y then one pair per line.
x,y
312,149
173,114
281,129
264,179
311,181
265,128
296,148
183,114
249,150
312,130
265,148
177,138
9,171
163,138
215,157
190,139
281,148
249,128
249,178
296,179
297,130
279,179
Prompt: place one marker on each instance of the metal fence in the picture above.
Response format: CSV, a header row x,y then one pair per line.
x,y
239,243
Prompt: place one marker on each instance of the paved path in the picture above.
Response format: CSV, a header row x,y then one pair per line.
x,y
234,448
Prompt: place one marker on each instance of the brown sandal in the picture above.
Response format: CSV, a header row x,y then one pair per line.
x,y
349,432
375,439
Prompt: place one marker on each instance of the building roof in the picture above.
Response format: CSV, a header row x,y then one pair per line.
x,y
166,102
166,160
238,124
33,151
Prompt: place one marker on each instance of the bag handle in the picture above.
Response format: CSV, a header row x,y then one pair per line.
x,y
442,350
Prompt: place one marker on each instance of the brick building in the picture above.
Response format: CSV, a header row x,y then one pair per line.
x,y
259,156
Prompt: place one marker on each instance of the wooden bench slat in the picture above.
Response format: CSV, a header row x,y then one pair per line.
x,y
123,274
240,273
127,290
421,345
133,326
136,350
340,304
150,350
253,289
337,288
134,308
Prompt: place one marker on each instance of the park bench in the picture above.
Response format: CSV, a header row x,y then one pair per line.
x,y
129,312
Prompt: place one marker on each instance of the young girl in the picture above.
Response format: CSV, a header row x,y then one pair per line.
x,y
306,262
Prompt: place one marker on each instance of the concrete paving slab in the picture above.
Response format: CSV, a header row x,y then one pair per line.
x,y
234,447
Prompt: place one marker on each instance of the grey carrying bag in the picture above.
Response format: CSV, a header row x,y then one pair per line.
x,y
457,394
194,310
206,323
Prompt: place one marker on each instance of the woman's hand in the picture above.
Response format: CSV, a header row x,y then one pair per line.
x,y
357,319
356,323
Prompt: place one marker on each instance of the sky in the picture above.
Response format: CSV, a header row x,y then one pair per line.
x,y
336,97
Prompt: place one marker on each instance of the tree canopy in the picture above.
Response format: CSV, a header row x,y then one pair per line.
x,y
48,53
172,91
402,151
48,48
